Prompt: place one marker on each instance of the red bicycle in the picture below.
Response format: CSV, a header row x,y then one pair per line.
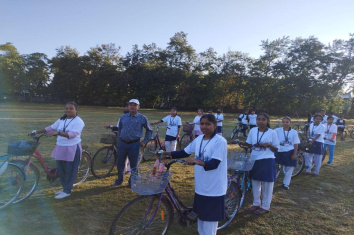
x,y
32,171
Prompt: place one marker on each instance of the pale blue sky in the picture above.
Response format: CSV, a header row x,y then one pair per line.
x,y
237,25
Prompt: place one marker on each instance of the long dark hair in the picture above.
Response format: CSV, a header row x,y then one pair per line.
x,y
211,118
72,103
266,116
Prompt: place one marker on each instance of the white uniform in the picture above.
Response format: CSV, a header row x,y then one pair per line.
x,y
329,131
196,122
311,157
252,119
172,130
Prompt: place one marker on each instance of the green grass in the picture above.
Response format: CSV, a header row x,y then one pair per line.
x,y
313,205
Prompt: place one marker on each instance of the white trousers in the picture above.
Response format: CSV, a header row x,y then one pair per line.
x,y
264,188
171,145
317,159
288,172
207,227
127,165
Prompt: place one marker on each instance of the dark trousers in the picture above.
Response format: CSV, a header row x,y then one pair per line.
x,y
123,151
244,129
67,171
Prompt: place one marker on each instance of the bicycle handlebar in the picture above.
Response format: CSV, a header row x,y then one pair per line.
x,y
36,138
241,146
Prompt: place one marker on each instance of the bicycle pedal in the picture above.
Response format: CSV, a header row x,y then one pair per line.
x,y
192,216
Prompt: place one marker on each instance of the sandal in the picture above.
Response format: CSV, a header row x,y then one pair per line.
x,y
260,211
252,208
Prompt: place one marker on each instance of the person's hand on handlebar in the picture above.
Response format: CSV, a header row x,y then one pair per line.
x,y
33,133
108,126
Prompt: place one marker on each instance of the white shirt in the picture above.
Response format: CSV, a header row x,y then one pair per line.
x,y
340,123
243,118
172,124
196,122
330,129
324,119
317,130
73,124
252,119
287,139
218,118
213,182
269,136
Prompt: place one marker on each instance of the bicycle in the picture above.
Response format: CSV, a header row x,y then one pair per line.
x,y
152,145
32,172
105,158
237,129
152,212
12,180
238,183
187,137
300,165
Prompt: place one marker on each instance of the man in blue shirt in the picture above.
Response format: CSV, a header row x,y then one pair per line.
x,y
130,130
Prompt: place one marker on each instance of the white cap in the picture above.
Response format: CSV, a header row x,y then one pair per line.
x,y
135,101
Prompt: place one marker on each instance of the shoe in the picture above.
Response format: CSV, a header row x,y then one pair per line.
x,y
252,208
62,195
260,211
115,184
329,163
59,192
285,187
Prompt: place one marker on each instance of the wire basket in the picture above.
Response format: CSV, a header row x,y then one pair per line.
x,y
144,182
109,138
21,148
240,161
188,127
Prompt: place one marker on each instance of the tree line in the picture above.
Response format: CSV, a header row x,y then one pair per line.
x,y
291,75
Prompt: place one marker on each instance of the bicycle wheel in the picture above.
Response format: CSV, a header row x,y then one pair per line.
x,y
12,181
232,204
300,165
324,154
234,132
345,134
103,162
149,150
185,141
32,179
140,216
278,169
84,168
352,134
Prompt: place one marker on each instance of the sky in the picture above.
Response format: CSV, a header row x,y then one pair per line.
x,y
236,25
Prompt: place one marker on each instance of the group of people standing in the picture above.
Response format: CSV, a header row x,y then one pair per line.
x,y
210,148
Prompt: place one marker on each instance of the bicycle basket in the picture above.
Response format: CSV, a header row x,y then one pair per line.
x,y
21,148
144,182
109,138
240,162
188,127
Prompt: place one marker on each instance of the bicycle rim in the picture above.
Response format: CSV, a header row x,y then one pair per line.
x,y
278,169
232,204
84,168
103,162
11,183
300,165
149,150
32,179
185,140
140,217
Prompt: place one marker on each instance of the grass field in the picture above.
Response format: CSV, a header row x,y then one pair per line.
x,y
313,205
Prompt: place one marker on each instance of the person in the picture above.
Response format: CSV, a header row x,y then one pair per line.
x,y
130,130
174,124
324,116
196,122
243,118
210,173
341,125
252,119
127,169
265,143
330,138
287,152
316,140
210,111
219,118
67,151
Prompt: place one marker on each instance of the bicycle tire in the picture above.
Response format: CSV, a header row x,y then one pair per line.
x,y
103,162
84,168
232,204
184,141
149,150
234,132
344,135
352,134
136,214
32,175
278,169
12,181
324,154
